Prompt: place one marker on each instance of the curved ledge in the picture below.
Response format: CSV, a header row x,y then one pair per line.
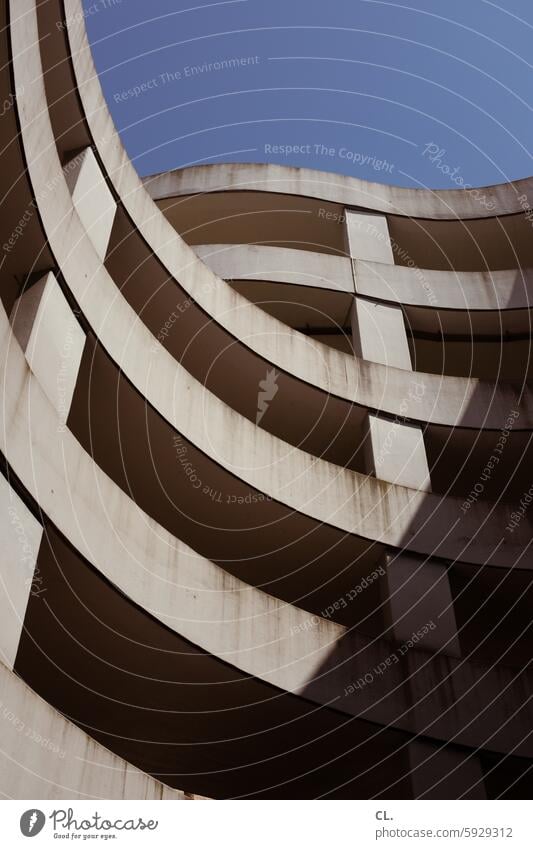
x,y
247,628
510,289
271,685
440,290
350,502
44,756
447,401
503,199
278,265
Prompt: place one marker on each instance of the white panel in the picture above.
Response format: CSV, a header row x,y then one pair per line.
x,y
51,338
368,237
378,334
20,538
396,453
92,198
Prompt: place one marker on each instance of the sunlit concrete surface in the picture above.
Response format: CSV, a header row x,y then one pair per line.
x,y
44,756
266,468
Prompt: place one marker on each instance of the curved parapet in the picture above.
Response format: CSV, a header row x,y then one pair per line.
x,y
278,643
257,515
350,502
156,259
472,291
503,199
44,756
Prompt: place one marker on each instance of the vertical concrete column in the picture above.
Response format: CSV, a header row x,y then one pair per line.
x,y
418,599
51,338
446,773
417,604
20,537
378,330
367,237
417,596
92,198
378,333
394,451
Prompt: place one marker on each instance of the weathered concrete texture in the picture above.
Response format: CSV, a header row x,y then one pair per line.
x,y
51,339
20,535
449,290
382,281
44,756
124,554
279,265
91,197
314,487
347,191
132,346
247,628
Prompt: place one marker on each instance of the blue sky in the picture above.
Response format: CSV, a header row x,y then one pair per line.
x,y
415,93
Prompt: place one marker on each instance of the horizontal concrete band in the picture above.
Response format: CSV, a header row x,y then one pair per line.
x,y
426,288
392,515
247,628
502,199
446,290
279,265
448,401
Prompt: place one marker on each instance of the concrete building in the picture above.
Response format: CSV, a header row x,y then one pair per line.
x,y
266,441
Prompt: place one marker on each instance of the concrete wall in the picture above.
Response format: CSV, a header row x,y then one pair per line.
x,y
446,400
346,191
44,756
130,345
92,199
51,339
21,536
128,556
